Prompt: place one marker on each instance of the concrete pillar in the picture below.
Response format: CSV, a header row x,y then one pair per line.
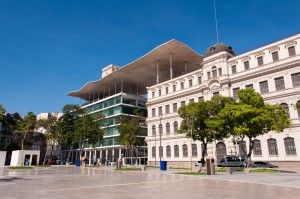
x,y
90,157
113,155
171,67
106,155
157,72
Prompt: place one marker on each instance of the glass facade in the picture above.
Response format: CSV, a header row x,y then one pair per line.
x,y
111,108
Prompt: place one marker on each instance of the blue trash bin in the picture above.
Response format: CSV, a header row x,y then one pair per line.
x,y
77,163
163,165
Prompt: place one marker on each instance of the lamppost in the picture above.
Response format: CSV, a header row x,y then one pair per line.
x,y
160,132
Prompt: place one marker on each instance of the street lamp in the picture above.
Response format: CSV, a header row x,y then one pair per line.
x,y
160,132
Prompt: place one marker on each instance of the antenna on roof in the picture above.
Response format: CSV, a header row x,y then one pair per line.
x,y
216,21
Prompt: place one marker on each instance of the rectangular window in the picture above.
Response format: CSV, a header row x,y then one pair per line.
x,y
208,75
296,79
174,87
159,92
264,87
216,93
246,65
160,110
199,80
234,93
275,56
190,82
292,51
191,101
167,109
182,85
279,83
220,71
152,94
182,103
174,107
200,98
249,86
233,69
153,112
260,61
167,90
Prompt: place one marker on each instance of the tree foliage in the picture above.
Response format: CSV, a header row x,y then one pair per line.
x,y
131,131
2,112
251,117
200,122
79,128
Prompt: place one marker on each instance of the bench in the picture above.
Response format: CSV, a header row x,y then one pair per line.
x,y
230,170
141,167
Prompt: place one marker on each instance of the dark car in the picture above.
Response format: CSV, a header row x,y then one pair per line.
x,y
232,161
262,164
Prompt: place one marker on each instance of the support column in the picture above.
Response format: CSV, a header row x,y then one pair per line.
x,y
113,155
122,86
90,157
157,72
106,155
171,66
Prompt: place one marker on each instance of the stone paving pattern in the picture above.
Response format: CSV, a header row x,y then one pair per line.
x,y
79,183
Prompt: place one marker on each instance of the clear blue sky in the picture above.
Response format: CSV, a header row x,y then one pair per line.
x,y
49,48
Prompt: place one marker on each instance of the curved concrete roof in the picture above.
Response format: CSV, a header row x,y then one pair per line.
x,y
143,71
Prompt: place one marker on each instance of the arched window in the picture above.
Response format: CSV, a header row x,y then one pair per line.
x,y
153,130
194,150
168,128
153,152
256,147
289,144
176,151
243,148
286,108
272,146
161,151
175,126
214,72
160,129
168,151
184,150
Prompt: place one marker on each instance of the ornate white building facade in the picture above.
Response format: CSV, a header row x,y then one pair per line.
x,y
272,70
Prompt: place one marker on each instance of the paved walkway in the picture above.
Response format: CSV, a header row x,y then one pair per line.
x,y
72,182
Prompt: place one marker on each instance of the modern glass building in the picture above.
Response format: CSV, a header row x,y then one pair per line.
x,y
112,101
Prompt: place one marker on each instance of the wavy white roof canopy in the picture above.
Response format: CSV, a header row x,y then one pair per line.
x,y
142,73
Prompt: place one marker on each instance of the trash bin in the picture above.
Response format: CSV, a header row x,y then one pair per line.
x,y
163,165
77,163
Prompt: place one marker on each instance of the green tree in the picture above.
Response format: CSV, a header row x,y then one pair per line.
x,y
200,122
2,112
52,133
89,129
24,126
132,132
66,126
251,117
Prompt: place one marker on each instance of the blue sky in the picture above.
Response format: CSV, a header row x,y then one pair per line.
x,y
49,48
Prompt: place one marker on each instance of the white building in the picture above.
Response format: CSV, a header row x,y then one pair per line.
x,y
173,74
272,70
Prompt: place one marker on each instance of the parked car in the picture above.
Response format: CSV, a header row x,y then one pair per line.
x,y
262,164
232,161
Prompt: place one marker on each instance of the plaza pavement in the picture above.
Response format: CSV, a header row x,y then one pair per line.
x,y
63,182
